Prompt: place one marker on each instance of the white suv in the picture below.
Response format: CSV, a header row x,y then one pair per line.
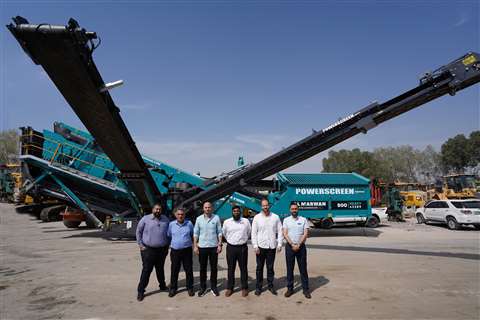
x,y
454,213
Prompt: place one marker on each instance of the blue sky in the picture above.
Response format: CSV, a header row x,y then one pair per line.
x,y
206,81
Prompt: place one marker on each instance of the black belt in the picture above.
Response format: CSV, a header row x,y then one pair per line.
x,y
156,248
237,245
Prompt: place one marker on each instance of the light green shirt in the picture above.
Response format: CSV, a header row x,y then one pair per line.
x,y
207,231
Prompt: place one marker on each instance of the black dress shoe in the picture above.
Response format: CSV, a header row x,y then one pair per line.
x,y
191,293
258,292
201,293
163,287
273,291
307,294
172,293
215,292
140,296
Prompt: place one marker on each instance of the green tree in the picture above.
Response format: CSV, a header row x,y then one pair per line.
x,y
455,154
474,148
429,165
355,160
8,145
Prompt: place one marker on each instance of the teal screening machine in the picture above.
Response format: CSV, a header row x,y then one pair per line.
x,y
65,52
325,198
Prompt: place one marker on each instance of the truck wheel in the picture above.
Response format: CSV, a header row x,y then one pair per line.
x,y
44,214
373,222
327,224
452,224
71,224
420,218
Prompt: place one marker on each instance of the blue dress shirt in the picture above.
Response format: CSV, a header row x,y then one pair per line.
x,y
152,232
180,234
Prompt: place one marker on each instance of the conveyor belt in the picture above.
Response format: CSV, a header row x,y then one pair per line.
x,y
65,52
455,76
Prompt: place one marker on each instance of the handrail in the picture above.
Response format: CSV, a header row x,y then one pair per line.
x,y
52,159
98,154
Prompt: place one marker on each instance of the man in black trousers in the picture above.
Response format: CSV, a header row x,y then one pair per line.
x,y
180,233
153,242
236,232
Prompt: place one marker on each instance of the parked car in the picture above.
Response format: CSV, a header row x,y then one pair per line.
x,y
455,213
380,213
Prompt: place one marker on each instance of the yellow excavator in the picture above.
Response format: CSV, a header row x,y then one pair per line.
x,y
456,186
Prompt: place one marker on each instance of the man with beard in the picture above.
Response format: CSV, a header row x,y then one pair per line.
x,y
152,239
295,231
236,232
267,238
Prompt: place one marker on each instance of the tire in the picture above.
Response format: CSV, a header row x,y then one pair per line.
x,y
71,224
420,218
373,222
327,224
477,226
51,213
44,214
452,223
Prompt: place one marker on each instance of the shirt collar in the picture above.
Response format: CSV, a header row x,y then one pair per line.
x,y
207,218
181,225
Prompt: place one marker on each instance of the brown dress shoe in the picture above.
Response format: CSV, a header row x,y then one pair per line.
x,y
244,292
228,293
288,293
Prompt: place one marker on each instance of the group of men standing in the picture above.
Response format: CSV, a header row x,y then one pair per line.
x,y
156,235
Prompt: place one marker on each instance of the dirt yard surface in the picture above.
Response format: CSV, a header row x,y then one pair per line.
x,y
397,271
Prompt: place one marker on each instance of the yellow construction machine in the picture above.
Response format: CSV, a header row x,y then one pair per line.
x,y
456,186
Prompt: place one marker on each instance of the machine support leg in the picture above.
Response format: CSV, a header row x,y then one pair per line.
x,y
80,203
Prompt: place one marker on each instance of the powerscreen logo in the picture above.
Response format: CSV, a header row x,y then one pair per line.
x,y
324,191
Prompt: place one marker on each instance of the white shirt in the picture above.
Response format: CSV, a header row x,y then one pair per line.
x,y
295,228
236,232
267,231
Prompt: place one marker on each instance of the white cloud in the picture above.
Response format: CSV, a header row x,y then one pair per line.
x,y
212,158
265,141
464,18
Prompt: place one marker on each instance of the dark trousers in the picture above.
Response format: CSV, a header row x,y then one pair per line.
x,y
152,257
265,255
178,258
301,256
237,253
205,255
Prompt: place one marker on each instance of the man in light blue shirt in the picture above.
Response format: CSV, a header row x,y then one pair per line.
x,y
207,244
180,232
295,232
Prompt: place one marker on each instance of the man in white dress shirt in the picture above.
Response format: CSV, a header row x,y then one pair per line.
x,y
236,232
267,238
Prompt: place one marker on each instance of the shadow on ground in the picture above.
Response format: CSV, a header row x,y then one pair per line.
x,y
279,283
345,232
460,255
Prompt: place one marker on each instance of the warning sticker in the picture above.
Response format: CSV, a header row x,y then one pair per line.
x,y
469,60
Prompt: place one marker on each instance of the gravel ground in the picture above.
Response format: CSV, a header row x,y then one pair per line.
x,y
397,271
